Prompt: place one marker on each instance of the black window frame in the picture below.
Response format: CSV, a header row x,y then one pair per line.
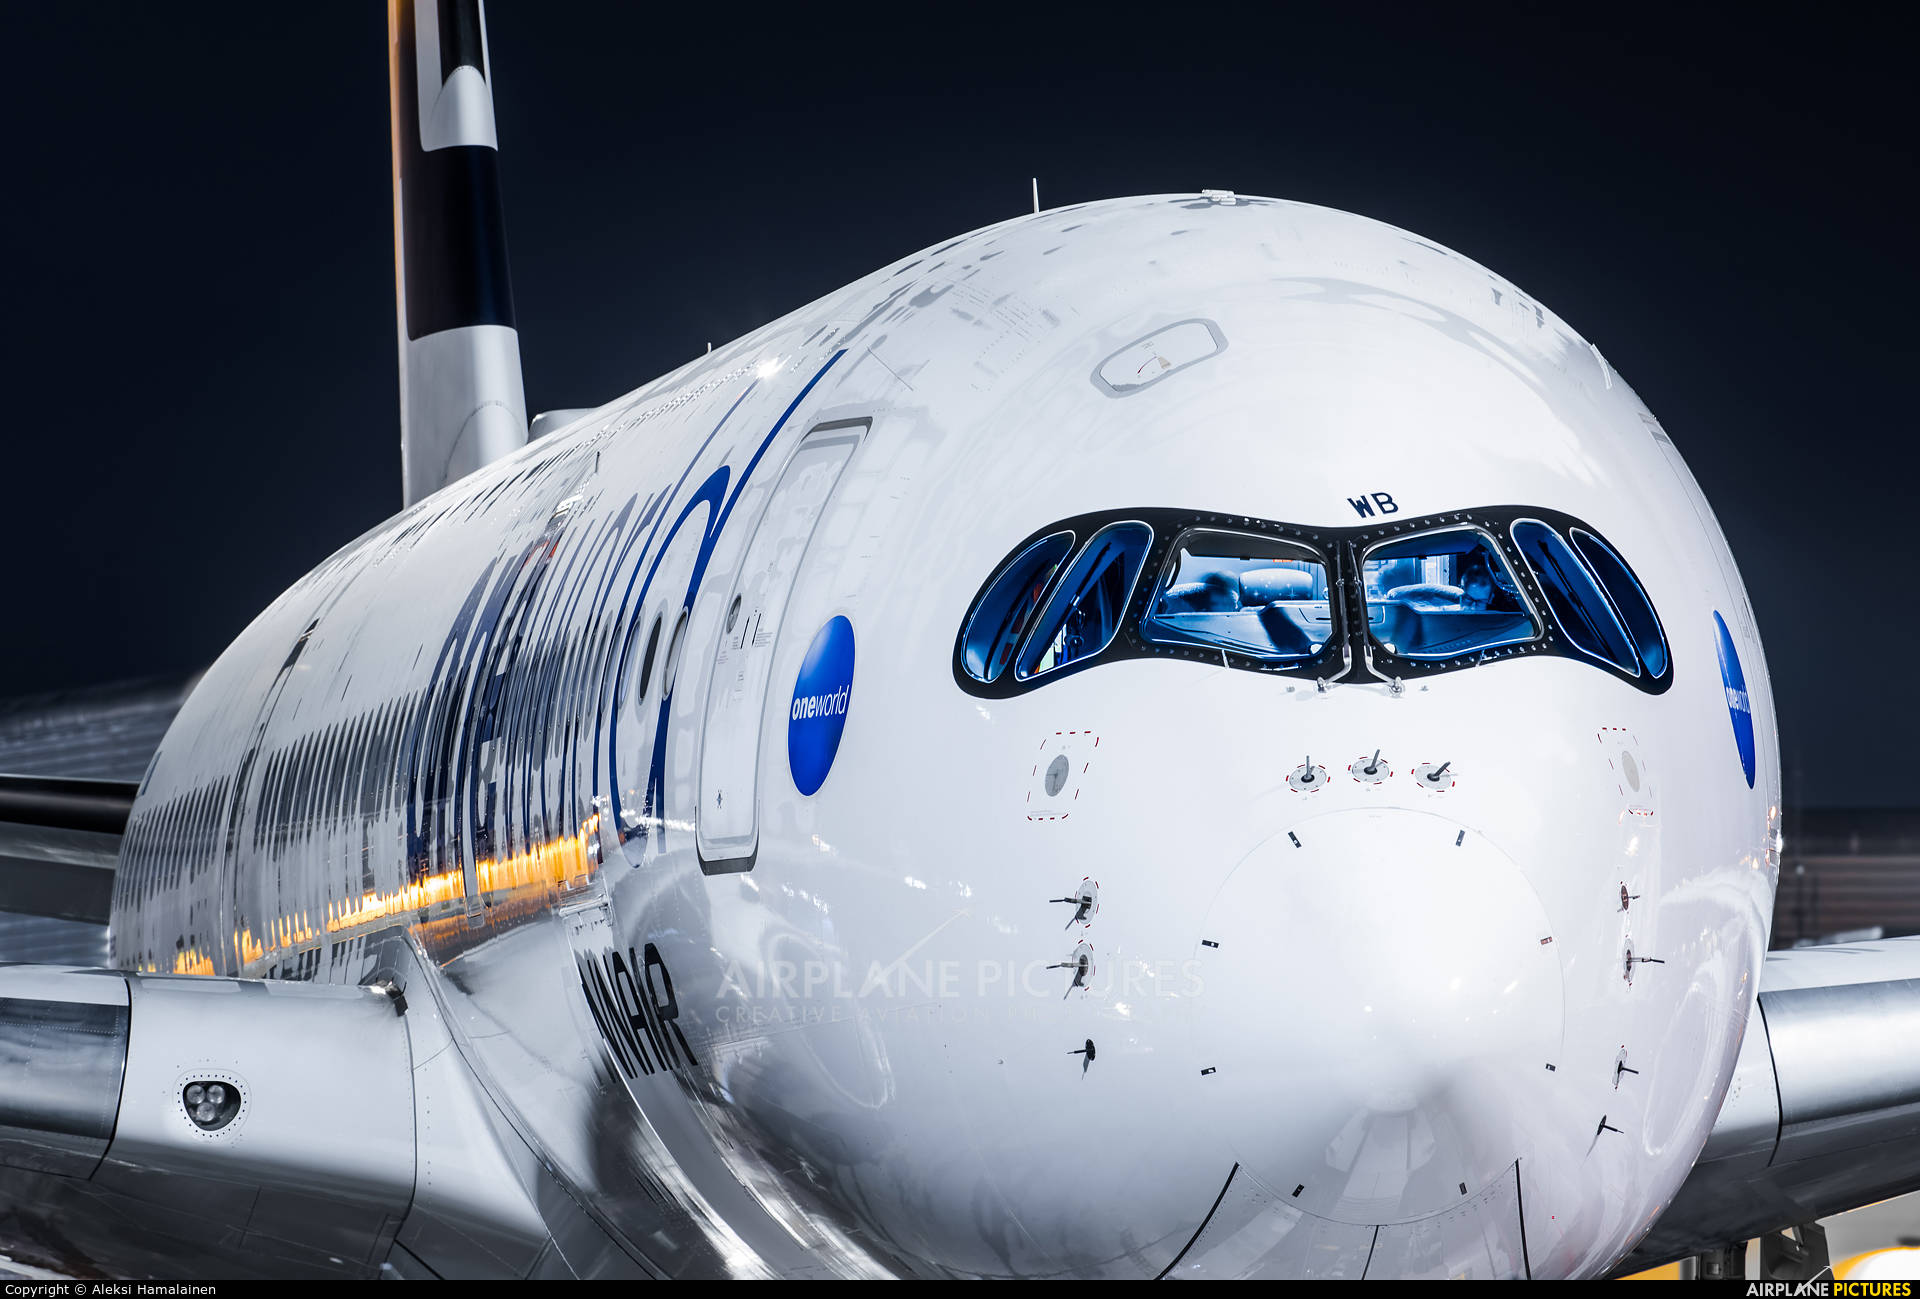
x,y
1184,640
1061,566
1644,602
1602,653
1031,643
1541,622
1349,655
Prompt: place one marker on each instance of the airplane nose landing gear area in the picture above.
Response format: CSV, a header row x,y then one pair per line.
x,y
1377,1019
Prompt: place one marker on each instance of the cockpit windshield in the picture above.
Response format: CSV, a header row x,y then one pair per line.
x,y
1086,609
1001,616
1443,594
1576,598
1252,595
1380,601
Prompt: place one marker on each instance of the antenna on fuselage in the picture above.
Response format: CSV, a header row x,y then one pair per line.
x,y
1036,196
462,403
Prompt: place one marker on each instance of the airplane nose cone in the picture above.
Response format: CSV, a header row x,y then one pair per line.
x,y
1379,1000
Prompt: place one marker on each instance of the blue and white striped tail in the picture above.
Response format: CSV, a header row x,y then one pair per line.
x,y
462,403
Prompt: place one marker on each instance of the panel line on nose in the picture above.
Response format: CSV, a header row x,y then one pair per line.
x,y
1203,1225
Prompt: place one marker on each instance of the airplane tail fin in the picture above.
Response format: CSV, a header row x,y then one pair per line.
x,y
461,399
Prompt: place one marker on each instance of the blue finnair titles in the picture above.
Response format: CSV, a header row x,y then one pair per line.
x,y
710,493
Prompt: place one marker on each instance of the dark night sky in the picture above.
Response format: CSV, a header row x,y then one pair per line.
x,y
201,369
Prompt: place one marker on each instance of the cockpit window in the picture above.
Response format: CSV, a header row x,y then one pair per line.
x,y
1252,595
1382,601
1443,594
1629,600
1579,605
1001,618
1090,601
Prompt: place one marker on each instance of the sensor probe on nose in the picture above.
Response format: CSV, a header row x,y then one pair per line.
x,y
1080,966
1307,778
1081,904
1083,900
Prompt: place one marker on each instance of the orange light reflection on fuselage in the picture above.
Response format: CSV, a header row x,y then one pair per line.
x,y
539,867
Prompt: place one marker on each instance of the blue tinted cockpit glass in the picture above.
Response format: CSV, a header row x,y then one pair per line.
x,y
1578,604
1443,594
1629,599
1258,596
1086,608
1001,617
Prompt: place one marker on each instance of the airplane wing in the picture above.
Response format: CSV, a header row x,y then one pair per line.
x,y
201,1126
102,732
59,841
1823,1114
72,760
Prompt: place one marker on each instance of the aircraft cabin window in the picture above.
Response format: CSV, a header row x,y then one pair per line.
x,y
1001,617
1629,599
1443,594
1577,602
1090,602
1251,595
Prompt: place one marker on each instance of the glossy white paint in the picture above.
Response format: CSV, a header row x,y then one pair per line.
x,y
884,1076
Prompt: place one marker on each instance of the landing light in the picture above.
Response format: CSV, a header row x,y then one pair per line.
x,y
210,1105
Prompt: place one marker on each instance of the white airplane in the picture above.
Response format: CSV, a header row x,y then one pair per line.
x,y
1185,736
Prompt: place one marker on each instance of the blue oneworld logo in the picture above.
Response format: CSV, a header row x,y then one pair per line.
x,y
833,705
1738,707
821,695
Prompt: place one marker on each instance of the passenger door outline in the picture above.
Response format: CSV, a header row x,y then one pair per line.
x,y
739,687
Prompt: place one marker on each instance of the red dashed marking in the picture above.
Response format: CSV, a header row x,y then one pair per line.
x,y
1034,775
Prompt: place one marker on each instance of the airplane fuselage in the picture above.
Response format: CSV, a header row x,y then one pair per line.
x,y
793,943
